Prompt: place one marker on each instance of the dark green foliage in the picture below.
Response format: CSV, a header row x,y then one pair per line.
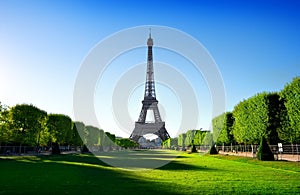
x,y
126,143
251,119
213,150
174,142
75,137
264,152
189,138
170,143
109,140
199,137
181,140
208,139
222,128
26,123
60,127
5,132
290,131
218,125
166,144
276,107
94,136
256,117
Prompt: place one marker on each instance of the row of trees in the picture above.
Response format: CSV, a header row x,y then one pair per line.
x,y
188,139
27,125
273,116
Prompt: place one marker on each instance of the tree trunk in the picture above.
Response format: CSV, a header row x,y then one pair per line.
x,y
20,148
38,143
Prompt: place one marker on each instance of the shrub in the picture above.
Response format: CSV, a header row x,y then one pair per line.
x,y
213,150
55,148
264,151
85,149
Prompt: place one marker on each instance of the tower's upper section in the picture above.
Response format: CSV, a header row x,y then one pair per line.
x,y
150,41
150,85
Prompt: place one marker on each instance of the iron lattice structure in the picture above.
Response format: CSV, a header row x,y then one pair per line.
x,y
150,102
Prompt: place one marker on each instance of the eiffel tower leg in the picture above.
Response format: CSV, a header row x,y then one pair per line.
x,y
135,137
157,128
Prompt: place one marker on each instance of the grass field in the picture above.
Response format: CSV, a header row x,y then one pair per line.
x,y
187,174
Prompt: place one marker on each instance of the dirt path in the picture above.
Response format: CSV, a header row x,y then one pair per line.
x,y
288,157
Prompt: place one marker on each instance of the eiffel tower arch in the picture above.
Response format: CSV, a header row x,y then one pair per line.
x,y
143,127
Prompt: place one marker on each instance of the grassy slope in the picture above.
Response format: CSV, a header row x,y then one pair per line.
x,y
188,174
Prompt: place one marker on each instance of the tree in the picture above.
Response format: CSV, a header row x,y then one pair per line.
x,y
108,140
81,130
126,143
26,123
199,137
181,140
290,95
189,138
75,138
218,126
222,128
256,117
208,139
240,128
275,110
5,133
60,128
93,136
174,142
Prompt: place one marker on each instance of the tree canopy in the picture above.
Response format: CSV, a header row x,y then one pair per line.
x,y
290,131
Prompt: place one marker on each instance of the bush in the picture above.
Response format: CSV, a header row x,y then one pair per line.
x,y
55,148
213,150
85,149
264,151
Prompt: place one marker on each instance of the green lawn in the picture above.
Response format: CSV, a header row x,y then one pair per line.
x,y
187,174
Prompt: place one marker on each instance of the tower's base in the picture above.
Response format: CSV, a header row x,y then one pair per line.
x,y
157,128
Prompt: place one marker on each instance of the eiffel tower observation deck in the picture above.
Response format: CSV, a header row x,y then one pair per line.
x,y
142,127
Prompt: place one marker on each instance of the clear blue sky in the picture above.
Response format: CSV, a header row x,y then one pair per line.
x,y
255,43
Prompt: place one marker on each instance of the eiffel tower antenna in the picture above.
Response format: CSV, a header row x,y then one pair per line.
x,y
149,103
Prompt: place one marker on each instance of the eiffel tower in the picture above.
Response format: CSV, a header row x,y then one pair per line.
x,y
149,104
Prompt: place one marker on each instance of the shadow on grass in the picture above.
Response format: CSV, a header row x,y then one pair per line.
x,y
139,159
182,166
71,174
133,160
